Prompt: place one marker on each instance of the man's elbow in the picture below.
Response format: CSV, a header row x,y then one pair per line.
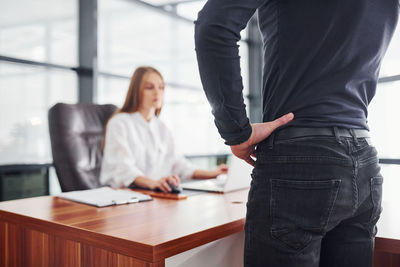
x,y
208,33
215,35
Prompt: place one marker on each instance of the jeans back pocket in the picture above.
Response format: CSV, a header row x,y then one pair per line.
x,y
301,209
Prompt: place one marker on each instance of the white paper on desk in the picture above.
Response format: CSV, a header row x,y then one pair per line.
x,y
105,196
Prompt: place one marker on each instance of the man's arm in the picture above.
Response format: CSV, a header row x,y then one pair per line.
x,y
217,33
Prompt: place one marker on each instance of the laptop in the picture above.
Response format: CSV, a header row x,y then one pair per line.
x,y
238,177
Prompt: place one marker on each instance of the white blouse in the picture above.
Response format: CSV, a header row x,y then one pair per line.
x,y
135,147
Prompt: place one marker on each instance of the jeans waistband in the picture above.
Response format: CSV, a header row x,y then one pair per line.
x,y
293,132
297,132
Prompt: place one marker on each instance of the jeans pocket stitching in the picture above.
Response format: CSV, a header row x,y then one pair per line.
x,y
376,185
252,188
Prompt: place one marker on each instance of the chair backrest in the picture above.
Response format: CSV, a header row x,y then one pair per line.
x,y
76,133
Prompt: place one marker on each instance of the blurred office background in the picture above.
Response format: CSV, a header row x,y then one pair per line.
x,y
85,51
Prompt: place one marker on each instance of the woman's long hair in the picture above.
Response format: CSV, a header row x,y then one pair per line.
x,y
133,96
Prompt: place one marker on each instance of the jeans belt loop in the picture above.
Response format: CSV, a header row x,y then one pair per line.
x,y
270,144
337,135
353,134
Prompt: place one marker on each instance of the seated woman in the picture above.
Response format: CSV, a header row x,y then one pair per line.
x,y
139,149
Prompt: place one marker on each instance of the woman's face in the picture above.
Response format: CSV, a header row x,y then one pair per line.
x,y
152,91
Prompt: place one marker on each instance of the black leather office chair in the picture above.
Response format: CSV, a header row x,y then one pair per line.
x,y
76,133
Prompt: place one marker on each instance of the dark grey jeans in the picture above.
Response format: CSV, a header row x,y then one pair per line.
x,y
314,201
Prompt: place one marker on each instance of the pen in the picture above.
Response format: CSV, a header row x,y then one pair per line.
x,y
132,200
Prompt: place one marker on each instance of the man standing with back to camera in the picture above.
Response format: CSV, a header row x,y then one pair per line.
x,y
316,190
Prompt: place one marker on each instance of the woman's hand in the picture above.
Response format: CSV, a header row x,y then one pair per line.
x,y
205,174
221,169
162,183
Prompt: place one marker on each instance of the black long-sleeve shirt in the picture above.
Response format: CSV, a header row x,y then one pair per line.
x,y
322,59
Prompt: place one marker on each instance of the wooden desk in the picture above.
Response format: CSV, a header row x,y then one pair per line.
x,y
387,242
49,231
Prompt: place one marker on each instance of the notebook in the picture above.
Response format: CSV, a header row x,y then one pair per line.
x,y
105,196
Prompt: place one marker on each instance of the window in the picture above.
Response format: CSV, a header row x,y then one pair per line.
x,y
383,119
132,34
26,94
391,61
34,33
40,30
384,108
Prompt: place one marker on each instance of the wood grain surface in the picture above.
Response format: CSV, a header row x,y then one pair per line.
x,y
161,194
37,247
50,231
146,232
383,259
